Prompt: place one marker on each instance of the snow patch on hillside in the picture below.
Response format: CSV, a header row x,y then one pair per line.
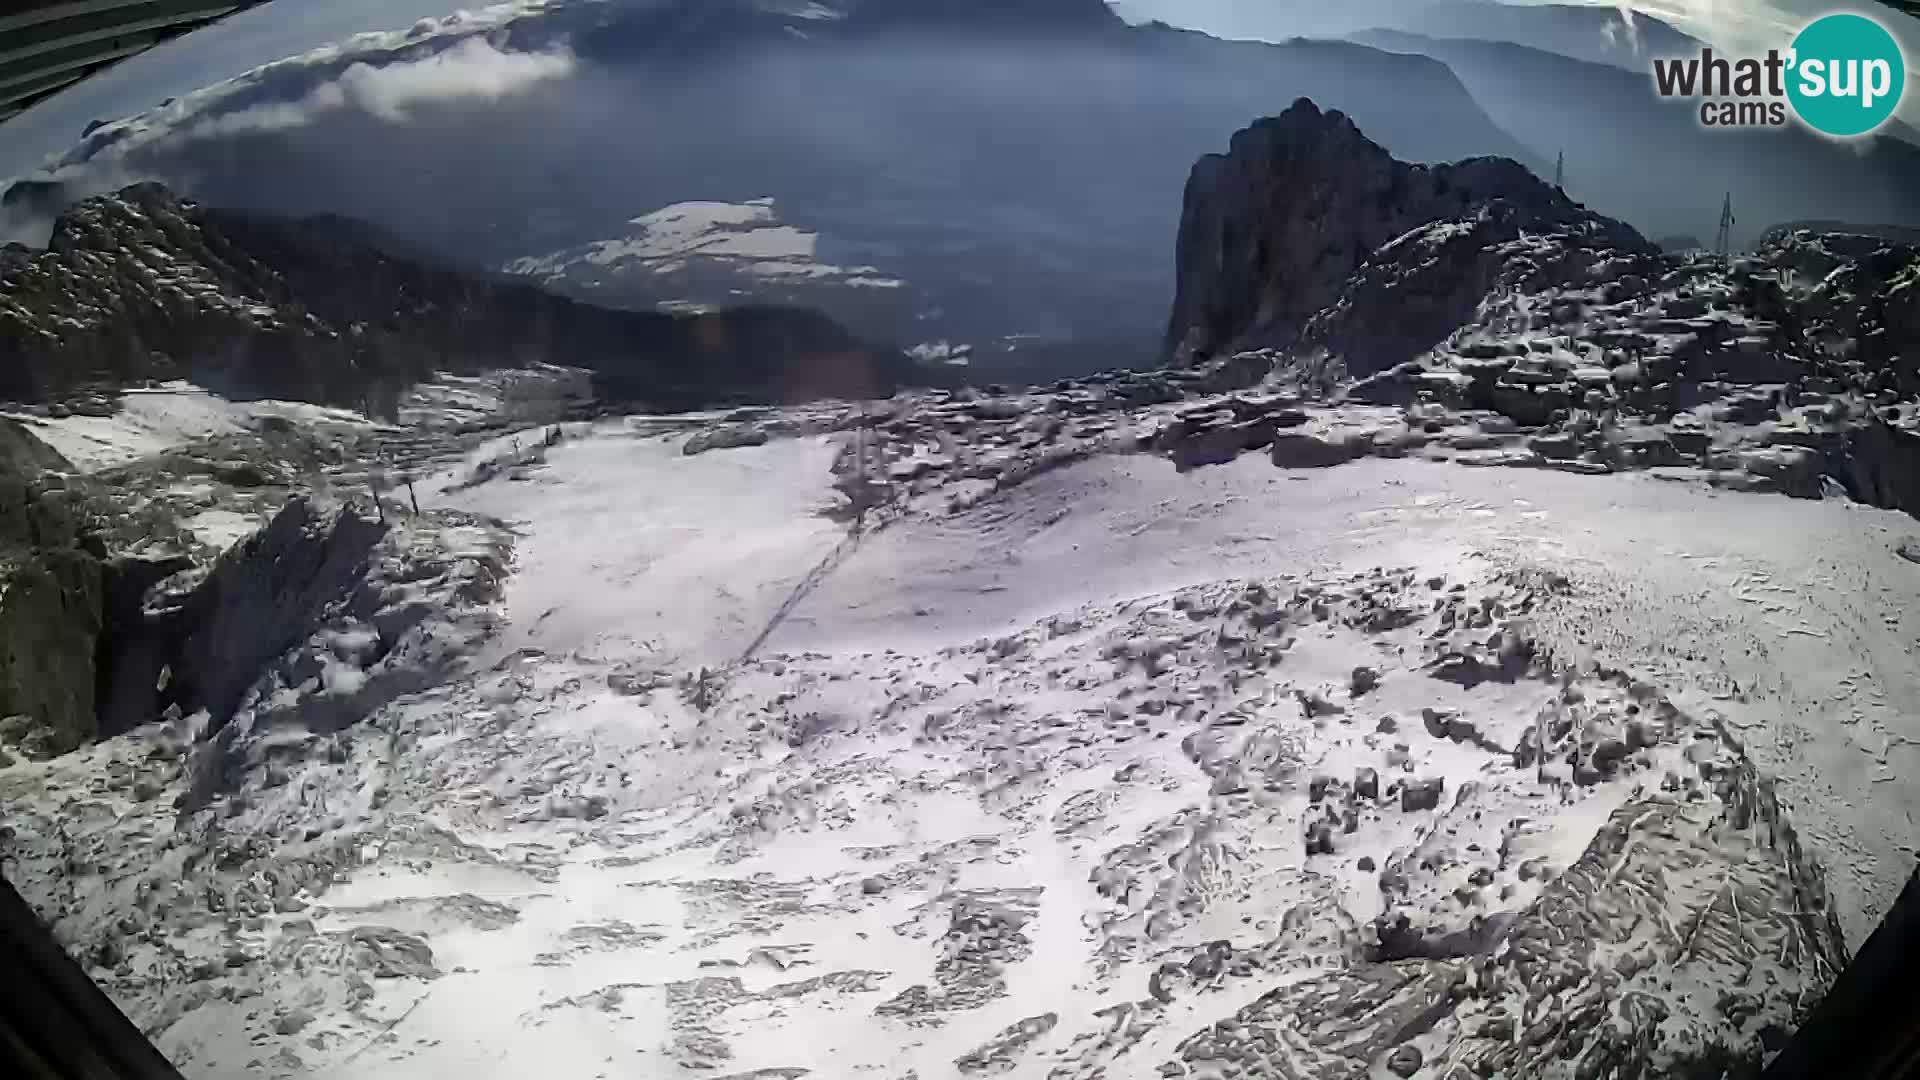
x,y
746,238
632,550
154,420
1087,777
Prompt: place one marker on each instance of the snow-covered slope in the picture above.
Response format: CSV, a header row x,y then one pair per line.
x,y
1119,771
697,247
1493,715
149,421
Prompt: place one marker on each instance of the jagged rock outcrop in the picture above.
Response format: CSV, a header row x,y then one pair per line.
x,y
1599,943
88,650
1308,235
50,617
1849,304
263,597
1775,235
145,285
23,454
319,620
1046,231
50,602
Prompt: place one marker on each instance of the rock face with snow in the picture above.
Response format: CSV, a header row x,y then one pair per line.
x,y
1850,303
1307,234
1095,793
1525,331
1133,725
51,601
172,584
1015,185
144,285
1366,818
262,597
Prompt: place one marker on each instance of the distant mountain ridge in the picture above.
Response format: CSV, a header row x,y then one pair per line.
x,y
1638,157
1028,14
1597,34
145,285
1015,166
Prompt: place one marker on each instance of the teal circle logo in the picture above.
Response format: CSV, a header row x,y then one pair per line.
x,y
1847,74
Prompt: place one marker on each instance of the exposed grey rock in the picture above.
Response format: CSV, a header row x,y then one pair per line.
x,y
51,603
1363,1017
1319,838
1216,439
1416,795
1307,232
24,454
264,596
1559,446
1404,1061
1366,784
724,437
392,954
313,311
1301,449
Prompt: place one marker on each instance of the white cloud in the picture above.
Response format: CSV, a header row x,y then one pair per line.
x,y
308,31
473,70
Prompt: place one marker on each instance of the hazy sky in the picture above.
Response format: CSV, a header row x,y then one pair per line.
x,y
288,27
1743,25
257,36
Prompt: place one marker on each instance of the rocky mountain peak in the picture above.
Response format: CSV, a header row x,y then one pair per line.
x,y
1304,208
142,284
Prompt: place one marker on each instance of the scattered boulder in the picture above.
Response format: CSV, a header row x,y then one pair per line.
x,y
724,437
1404,1061
1366,784
1421,794
1319,837
1302,449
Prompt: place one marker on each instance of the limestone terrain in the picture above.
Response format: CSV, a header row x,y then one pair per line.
x,y
1131,837
145,285
1523,330
1212,720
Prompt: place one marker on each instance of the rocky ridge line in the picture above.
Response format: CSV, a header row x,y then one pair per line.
x,y
145,285
1296,236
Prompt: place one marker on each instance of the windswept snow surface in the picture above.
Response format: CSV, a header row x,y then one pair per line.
x,y
153,421
1793,618
634,553
1120,772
